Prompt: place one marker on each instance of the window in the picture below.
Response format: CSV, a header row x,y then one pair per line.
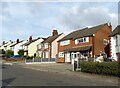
x,y
46,54
39,46
26,47
46,45
66,42
116,41
82,40
61,54
105,41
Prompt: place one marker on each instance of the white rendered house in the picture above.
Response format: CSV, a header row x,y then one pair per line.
x,y
30,47
115,42
17,46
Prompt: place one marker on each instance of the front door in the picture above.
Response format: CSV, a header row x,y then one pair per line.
x,y
67,57
75,57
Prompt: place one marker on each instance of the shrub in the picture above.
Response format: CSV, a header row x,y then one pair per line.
x,y
9,53
37,57
21,52
2,51
31,57
105,68
26,57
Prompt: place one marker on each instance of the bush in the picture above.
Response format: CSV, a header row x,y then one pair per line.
x,y
37,57
9,53
2,51
21,52
105,68
28,57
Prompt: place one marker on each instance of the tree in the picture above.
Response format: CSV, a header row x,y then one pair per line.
x,y
9,53
2,51
21,52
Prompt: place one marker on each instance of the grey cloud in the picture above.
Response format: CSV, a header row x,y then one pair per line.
x,y
82,16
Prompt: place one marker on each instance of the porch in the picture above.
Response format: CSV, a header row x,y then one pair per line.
x,y
77,53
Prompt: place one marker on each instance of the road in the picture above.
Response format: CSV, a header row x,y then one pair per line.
x,y
15,75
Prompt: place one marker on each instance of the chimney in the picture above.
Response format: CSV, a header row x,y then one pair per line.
x,y
30,39
110,26
55,32
3,42
17,41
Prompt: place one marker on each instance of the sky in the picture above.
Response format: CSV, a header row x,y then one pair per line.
x,y
38,19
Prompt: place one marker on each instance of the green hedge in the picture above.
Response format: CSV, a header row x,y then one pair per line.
x,y
105,68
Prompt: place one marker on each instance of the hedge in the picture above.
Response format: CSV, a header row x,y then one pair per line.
x,y
105,68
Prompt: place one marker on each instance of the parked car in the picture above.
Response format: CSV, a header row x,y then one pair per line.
x,y
15,58
109,59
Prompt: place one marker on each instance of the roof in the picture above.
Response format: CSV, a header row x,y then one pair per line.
x,y
15,44
28,43
8,44
83,32
115,31
50,39
76,49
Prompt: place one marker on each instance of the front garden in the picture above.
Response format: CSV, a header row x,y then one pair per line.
x,y
105,68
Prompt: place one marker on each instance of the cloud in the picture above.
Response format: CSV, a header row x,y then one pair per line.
x,y
80,16
22,19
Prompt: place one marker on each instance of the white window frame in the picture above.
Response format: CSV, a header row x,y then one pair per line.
x,y
66,42
105,41
61,54
46,45
86,40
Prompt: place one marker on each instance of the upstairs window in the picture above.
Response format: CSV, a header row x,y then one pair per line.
x,y
105,41
26,47
116,41
82,40
39,46
66,42
46,45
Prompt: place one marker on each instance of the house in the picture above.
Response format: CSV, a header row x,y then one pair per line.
x,y
49,47
85,44
30,47
6,45
115,43
17,46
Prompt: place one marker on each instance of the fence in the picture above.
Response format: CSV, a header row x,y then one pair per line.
x,y
40,60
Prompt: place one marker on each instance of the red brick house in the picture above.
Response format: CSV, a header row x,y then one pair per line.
x,y
86,43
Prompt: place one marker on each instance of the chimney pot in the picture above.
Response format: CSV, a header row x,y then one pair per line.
x,y
55,32
17,41
30,39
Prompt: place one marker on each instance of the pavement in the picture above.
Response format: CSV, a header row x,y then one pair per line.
x,y
66,69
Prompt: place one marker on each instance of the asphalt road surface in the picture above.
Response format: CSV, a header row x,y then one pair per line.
x,y
14,75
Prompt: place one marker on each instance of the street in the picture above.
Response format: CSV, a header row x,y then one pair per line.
x,y
16,75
